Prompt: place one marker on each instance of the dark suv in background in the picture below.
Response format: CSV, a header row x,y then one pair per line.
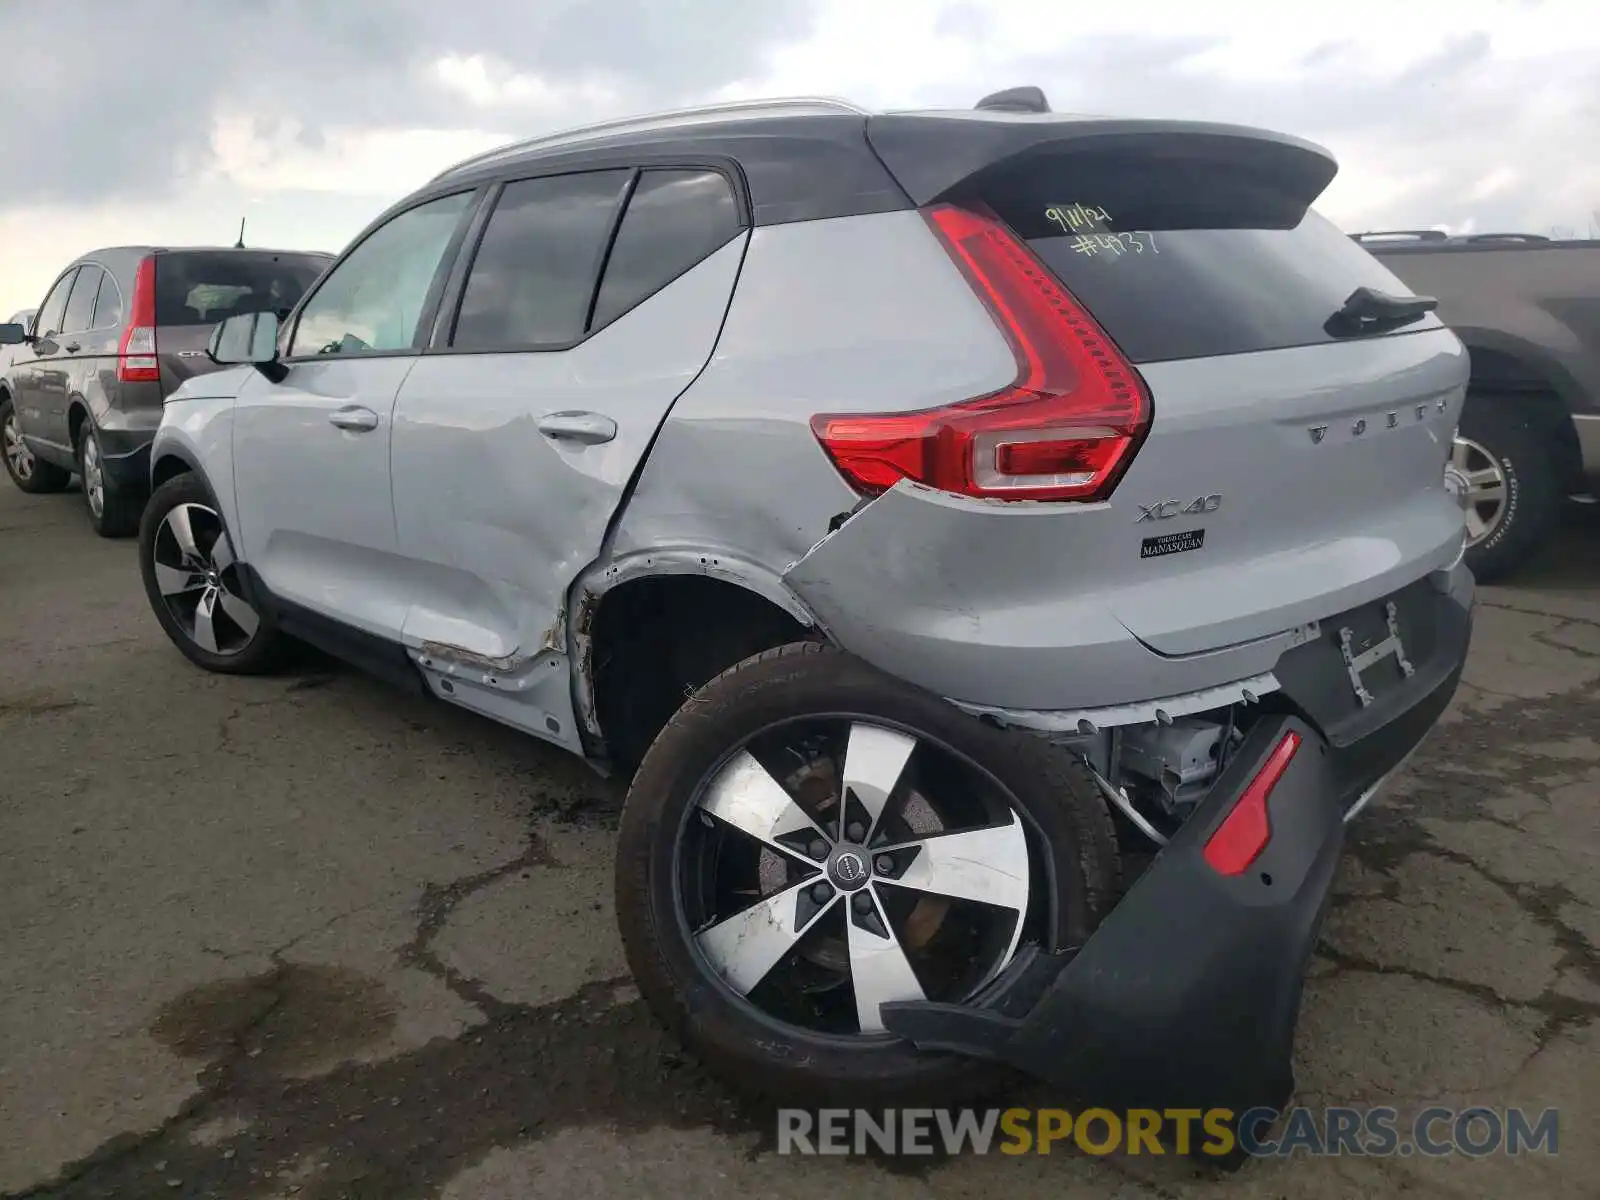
x,y
117,332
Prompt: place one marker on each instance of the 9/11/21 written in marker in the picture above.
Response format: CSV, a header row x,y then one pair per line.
x,y
1089,227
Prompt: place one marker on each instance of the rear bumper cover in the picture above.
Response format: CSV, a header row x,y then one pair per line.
x,y
129,469
125,439
1188,994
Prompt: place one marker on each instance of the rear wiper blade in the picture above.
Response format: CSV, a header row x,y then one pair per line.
x,y
1368,310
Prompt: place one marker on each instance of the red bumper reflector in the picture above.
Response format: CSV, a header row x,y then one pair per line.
x,y
1245,832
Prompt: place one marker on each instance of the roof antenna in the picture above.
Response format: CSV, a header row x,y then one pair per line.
x,y
239,245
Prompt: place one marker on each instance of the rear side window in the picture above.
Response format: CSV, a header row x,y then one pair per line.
x,y
674,220
108,305
1180,260
80,306
534,273
204,287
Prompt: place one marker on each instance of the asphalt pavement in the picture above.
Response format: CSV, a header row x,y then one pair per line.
x,y
309,936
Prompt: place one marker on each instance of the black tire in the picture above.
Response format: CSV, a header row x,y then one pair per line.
x,y
1527,455
41,477
755,1054
263,651
118,509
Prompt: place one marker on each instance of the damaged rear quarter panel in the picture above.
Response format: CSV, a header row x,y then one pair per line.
x,y
945,592
858,314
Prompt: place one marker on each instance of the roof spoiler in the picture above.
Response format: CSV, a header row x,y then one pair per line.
x,y
935,156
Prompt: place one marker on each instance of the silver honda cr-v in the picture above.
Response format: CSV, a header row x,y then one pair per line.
x,y
936,511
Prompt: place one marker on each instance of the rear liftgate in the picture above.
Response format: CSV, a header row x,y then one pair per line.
x,y
1187,995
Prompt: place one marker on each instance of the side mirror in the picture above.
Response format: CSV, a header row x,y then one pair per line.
x,y
13,334
249,339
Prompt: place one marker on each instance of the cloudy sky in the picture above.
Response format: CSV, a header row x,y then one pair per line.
x,y
168,120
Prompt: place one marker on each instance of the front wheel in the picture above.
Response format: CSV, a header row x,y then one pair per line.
x,y
809,839
192,581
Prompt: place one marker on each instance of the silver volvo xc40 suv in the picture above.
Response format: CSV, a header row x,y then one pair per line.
x,y
935,512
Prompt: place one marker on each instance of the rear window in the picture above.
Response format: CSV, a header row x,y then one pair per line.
x,y
204,288
1177,259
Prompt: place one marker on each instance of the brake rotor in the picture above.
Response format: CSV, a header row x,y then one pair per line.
x,y
816,786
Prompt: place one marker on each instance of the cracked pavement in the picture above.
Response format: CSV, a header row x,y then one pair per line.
x,y
309,936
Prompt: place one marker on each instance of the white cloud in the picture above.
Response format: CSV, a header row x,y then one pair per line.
x,y
1463,114
279,157
489,82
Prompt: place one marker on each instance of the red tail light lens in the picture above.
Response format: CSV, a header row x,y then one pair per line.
x,y
1065,429
1245,832
136,352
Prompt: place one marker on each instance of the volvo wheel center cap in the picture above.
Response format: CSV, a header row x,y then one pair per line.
x,y
848,868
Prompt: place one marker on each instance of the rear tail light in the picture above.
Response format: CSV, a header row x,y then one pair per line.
x,y
1065,429
1246,830
136,352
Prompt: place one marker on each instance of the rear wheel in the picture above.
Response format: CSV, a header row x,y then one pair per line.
x,y
1506,464
809,839
113,512
192,581
29,473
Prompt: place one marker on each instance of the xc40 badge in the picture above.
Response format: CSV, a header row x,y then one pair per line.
x,y
1165,510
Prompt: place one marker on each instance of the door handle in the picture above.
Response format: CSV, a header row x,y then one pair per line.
x,y
354,418
73,347
590,429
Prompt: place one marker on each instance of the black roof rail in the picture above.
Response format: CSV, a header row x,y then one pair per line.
x,y
1017,99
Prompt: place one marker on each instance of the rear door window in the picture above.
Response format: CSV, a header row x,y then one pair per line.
x,y
1177,260
79,315
205,287
534,273
673,221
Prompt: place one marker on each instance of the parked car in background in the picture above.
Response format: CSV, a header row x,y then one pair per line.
x,y
119,329
1528,310
987,481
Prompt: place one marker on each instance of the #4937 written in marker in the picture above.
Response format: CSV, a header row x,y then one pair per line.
x,y
1087,225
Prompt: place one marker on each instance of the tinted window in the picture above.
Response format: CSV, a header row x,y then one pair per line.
x,y
534,273
55,304
80,307
202,288
108,307
375,297
674,219
1177,259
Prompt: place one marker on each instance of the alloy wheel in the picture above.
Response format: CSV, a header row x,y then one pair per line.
x,y
18,456
199,580
834,864
94,483
1476,477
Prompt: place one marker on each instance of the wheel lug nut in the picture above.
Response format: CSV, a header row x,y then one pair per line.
x,y
818,849
884,863
862,903
820,892
856,831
